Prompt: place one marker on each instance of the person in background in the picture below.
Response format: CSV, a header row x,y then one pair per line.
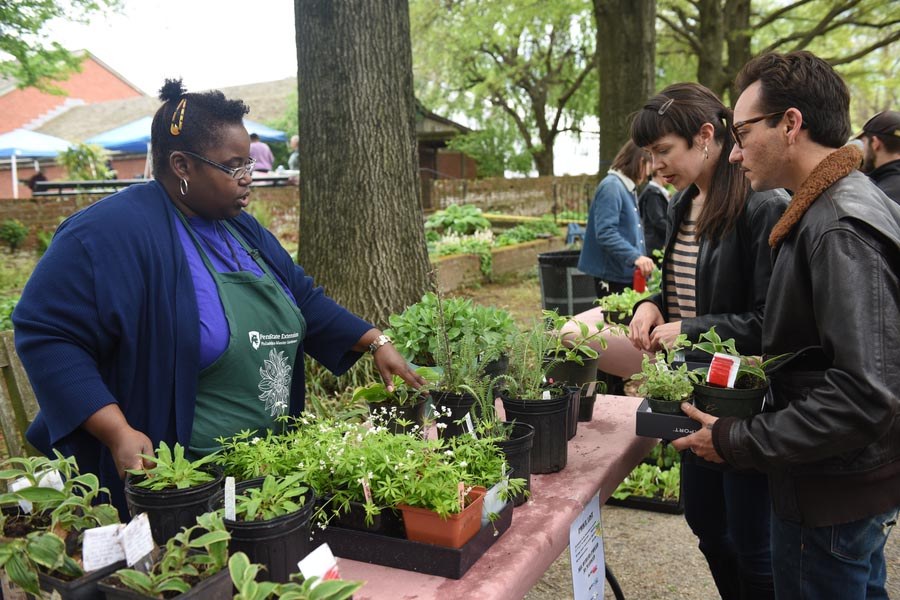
x,y
32,181
831,446
261,154
166,312
881,157
294,158
614,240
653,204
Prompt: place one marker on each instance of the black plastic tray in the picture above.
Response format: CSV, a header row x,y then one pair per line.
x,y
401,553
651,504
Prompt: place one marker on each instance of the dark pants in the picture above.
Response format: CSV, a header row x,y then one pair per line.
x,y
840,561
605,288
729,511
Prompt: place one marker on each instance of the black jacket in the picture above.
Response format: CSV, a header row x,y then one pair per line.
x,y
832,447
732,275
653,207
887,177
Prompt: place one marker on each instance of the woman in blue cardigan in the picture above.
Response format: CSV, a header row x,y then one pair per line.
x,y
166,313
614,239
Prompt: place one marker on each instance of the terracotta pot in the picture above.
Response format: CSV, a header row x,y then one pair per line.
x,y
424,525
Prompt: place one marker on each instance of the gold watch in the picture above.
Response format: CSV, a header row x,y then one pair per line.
x,y
380,341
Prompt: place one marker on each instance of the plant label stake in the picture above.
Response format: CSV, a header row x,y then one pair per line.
x,y
319,563
102,547
229,499
545,395
723,370
47,479
461,488
367,491
137,540
470,427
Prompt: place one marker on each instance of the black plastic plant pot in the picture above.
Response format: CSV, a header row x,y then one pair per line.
x,y
729,402
390,415
570,373
387,522
82,588
498,366
549,452
664,407
217,587
278,543
572,415
458,405
564,288
586,407
170,510
517,450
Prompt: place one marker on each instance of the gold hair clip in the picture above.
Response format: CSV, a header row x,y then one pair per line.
x,y
178,115
662,109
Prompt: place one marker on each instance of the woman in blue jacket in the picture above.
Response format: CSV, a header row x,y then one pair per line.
x,y
614,239
166,313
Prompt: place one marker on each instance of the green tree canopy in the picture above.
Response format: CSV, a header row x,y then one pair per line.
x,y
529,63
36,60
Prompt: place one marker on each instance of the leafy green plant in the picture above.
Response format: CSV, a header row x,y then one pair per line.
x,y
244,575
663,381
526,232
23,558
664,455
195,553
85,162
751,371
650,481
13,232
7,305
463,219
478,243
173,470
275,497
620,305
403,395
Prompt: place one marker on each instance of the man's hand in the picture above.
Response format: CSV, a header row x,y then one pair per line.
x,y
700,442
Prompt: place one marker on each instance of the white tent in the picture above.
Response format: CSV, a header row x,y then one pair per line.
x,y
22,143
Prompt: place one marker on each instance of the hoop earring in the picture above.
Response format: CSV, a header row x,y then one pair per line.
x,y
706,152
183,187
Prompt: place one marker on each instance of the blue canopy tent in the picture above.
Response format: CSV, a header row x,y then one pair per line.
x,y
134,137
22,143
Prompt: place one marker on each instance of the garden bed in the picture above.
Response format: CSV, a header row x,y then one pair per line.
x,y
461,270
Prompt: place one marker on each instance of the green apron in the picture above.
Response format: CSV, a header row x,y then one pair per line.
x,y
249,386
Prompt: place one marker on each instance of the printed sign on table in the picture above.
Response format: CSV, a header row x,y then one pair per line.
x,y
586,549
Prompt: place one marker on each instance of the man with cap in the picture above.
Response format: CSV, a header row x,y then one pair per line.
x,y
881,139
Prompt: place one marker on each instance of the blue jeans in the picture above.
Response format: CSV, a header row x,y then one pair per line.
x,y
839,561
729,512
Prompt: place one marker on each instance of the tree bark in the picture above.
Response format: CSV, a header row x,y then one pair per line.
x,y
361,229
711,35
737,25
543,160
626,49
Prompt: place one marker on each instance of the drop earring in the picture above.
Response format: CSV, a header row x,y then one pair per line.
x,y
706,152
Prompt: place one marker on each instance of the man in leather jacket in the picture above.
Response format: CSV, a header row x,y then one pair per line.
x,y
831,447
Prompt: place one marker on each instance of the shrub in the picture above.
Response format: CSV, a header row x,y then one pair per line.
x,y
13,232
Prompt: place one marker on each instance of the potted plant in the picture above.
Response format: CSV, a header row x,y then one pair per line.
x,y
486,466
272,522
651,487
173,492
531,398
402,410
664,385
244,574
40,548
751,383
191,565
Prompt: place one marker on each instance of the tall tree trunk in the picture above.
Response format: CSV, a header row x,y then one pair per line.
x,y
543,160
361,229
626,49
711,34
737,25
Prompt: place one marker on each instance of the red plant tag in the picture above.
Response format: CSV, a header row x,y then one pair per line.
x,y
723,370
638,283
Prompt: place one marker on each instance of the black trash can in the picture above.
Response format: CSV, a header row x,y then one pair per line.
x,y
564,288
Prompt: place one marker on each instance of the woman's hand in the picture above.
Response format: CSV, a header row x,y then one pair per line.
x,y
389,362
124,442
645,319
663,336
645,264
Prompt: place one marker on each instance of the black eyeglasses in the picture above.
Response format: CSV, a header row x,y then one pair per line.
x,y
235,172
736,134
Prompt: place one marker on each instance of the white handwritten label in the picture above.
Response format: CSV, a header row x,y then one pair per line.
x,y
545,395
319,563
229,499
470,427
461,489
367,490
137,539
47,479
101,547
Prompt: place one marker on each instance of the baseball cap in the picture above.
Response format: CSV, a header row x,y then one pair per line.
x,y
884,123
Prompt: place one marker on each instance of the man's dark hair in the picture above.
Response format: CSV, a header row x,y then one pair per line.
x,y
803,81
190,121
891,143
254,137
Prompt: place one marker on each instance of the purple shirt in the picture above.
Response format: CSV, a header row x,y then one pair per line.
x,y
261,152
214,331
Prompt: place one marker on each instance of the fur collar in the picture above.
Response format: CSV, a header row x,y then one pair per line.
x,y
836,165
